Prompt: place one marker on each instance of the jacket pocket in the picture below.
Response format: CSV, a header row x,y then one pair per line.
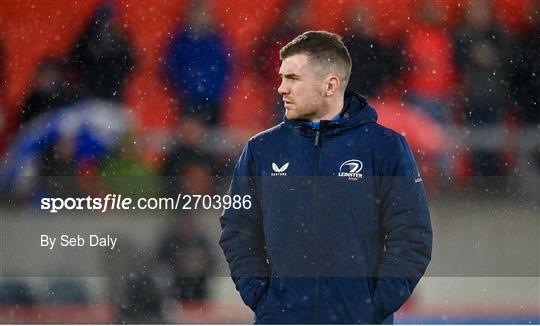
x,y
252,290
280,303
376,305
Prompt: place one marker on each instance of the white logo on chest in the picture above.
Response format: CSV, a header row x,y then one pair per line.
x,y
279,171
351,169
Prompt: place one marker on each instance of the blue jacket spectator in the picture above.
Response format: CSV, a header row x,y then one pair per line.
x,y
198,65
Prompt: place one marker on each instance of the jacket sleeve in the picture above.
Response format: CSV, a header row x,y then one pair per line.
x,y
242,237
407,228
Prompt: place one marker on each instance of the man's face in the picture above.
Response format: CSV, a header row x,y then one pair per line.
x,y
301,89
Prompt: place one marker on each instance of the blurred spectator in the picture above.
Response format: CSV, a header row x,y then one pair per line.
x,y
187,252
480,53
58,158
373,61
57,164
141,301
292,21
198,64
103,57
51,88
66,291
122,171
524,69
192,167
15,292
431,73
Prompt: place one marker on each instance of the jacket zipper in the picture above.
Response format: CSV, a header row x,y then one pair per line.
x,y
315,229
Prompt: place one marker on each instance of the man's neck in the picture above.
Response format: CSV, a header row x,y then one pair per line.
x,y
332,113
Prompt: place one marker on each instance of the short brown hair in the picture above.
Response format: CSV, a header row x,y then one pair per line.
x,y
325,48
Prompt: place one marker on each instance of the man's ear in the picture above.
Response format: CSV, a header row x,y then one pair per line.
x,y
332,85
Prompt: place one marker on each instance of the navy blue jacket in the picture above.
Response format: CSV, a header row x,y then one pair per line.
x,y
339,228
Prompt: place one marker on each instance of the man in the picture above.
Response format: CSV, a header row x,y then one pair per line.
x,y
338,230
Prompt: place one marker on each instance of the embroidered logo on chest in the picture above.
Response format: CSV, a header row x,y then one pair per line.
x,y
351,170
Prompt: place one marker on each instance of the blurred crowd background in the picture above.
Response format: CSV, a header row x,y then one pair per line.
x,y
166,94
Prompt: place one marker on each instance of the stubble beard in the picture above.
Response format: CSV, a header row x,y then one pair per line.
x,y
313,110
308,113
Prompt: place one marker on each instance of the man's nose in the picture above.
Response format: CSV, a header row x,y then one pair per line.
x,y
282,89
